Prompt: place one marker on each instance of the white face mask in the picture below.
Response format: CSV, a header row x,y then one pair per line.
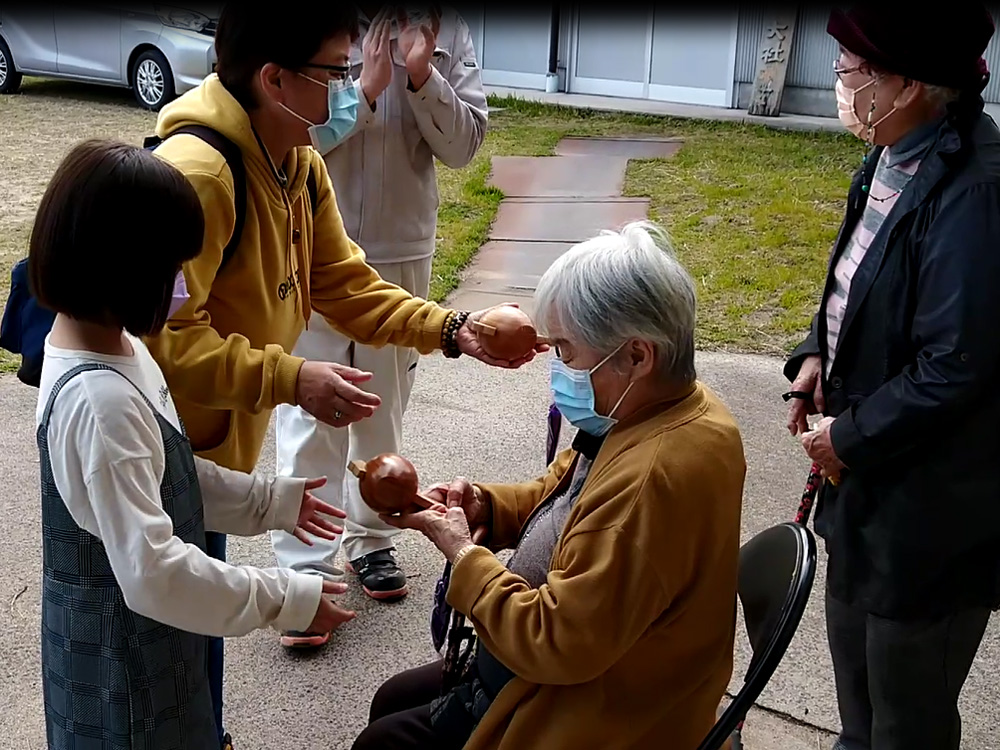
x,y
848,114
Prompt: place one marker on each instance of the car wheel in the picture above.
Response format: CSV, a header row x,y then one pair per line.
x,y
10,79
152,81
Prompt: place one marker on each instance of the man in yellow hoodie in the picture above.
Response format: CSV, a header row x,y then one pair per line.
x,y
282,84
420,102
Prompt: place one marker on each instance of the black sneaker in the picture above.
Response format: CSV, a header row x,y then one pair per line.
x,y
380,577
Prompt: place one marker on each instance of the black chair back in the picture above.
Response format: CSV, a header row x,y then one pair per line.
x,y
777,569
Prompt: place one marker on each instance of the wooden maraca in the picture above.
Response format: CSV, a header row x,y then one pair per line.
x,y
506,332
389,484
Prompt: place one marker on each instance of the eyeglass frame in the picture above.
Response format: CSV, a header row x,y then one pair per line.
x,y
841,72
342,71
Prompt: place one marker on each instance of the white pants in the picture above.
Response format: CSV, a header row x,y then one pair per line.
x,y
309,448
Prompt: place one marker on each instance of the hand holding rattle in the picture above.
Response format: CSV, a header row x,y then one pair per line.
x,y
506,332
389,485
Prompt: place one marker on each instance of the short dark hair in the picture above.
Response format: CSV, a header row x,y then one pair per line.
x,y
114,227
247,39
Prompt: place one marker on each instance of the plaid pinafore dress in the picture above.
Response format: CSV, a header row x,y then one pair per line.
x,y
112,679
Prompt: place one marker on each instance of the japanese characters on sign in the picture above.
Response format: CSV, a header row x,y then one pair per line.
x,y
776,53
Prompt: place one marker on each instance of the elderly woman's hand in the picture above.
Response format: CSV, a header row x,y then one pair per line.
x,y
819,447
461,493
809,381
448,529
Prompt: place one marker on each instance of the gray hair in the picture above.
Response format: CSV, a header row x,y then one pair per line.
x,y
941,96
622,285
938,96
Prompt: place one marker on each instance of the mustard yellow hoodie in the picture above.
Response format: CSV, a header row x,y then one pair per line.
x,y
224,354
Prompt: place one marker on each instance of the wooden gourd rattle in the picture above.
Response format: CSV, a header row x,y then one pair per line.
x,y
506,332
389,484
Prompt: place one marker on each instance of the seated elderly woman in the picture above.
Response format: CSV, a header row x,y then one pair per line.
x,y
612,625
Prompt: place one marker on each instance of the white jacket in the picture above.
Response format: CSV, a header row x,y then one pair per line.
x,y
383,172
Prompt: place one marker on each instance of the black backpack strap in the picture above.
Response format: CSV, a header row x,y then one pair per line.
x,y
234,158
313,190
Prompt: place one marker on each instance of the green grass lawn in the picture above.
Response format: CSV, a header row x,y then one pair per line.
x,y
752,211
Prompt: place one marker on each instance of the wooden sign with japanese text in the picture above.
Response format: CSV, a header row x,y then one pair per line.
x,y
772,62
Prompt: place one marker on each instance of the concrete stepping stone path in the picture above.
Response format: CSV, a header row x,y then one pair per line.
x,y
568,221
550,204
629,148
559,176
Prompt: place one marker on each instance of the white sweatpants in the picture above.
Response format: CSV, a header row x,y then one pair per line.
x,y
309,448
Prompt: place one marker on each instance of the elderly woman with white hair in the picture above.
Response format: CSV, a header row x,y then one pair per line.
x,y
612,625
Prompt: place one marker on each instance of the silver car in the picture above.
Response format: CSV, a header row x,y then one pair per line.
x,y
159,51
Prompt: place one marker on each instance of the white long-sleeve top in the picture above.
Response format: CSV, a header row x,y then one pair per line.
x,y
107,456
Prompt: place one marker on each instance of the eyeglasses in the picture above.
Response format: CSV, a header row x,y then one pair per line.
x,y
339,72
841,72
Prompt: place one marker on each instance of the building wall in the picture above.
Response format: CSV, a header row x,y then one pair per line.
x,y
692,56
666,53
658,53
512,47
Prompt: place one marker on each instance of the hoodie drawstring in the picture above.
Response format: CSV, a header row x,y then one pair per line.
x,y
293,258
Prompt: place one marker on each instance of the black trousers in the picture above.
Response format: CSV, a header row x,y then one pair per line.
x,y
898,682
400,714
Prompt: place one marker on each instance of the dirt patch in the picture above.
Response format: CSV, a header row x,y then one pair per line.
x,y
41,124
37,128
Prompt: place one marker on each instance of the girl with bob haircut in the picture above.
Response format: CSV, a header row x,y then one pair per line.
x,y
129,597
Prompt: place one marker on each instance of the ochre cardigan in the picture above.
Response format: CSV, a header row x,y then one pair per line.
x,y
629,643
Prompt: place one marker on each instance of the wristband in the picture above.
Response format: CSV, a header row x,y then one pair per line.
x,y
462,553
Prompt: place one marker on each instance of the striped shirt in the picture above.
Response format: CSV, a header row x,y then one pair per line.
x,y
893,173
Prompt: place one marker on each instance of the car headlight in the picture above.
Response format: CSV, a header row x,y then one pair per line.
x,y
182,18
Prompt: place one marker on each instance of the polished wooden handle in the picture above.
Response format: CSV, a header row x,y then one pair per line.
x,y
425,502
478,327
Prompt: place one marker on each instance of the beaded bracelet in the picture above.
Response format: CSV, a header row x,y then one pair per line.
x,y
449,333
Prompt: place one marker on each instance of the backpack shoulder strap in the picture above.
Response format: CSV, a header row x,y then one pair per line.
x,y
234,158
313,190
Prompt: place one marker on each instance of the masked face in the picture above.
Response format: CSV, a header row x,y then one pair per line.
x,y
862,121
342,114
573,394
846,108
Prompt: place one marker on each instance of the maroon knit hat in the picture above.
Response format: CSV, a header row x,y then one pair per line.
x,y
944,48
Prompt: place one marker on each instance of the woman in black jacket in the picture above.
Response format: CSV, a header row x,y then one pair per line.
x,y
903,362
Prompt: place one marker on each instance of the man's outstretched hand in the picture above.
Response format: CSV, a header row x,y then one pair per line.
x,y
468,342
327,390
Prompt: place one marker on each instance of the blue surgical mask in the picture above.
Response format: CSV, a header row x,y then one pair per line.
x,y
573,394
342,108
